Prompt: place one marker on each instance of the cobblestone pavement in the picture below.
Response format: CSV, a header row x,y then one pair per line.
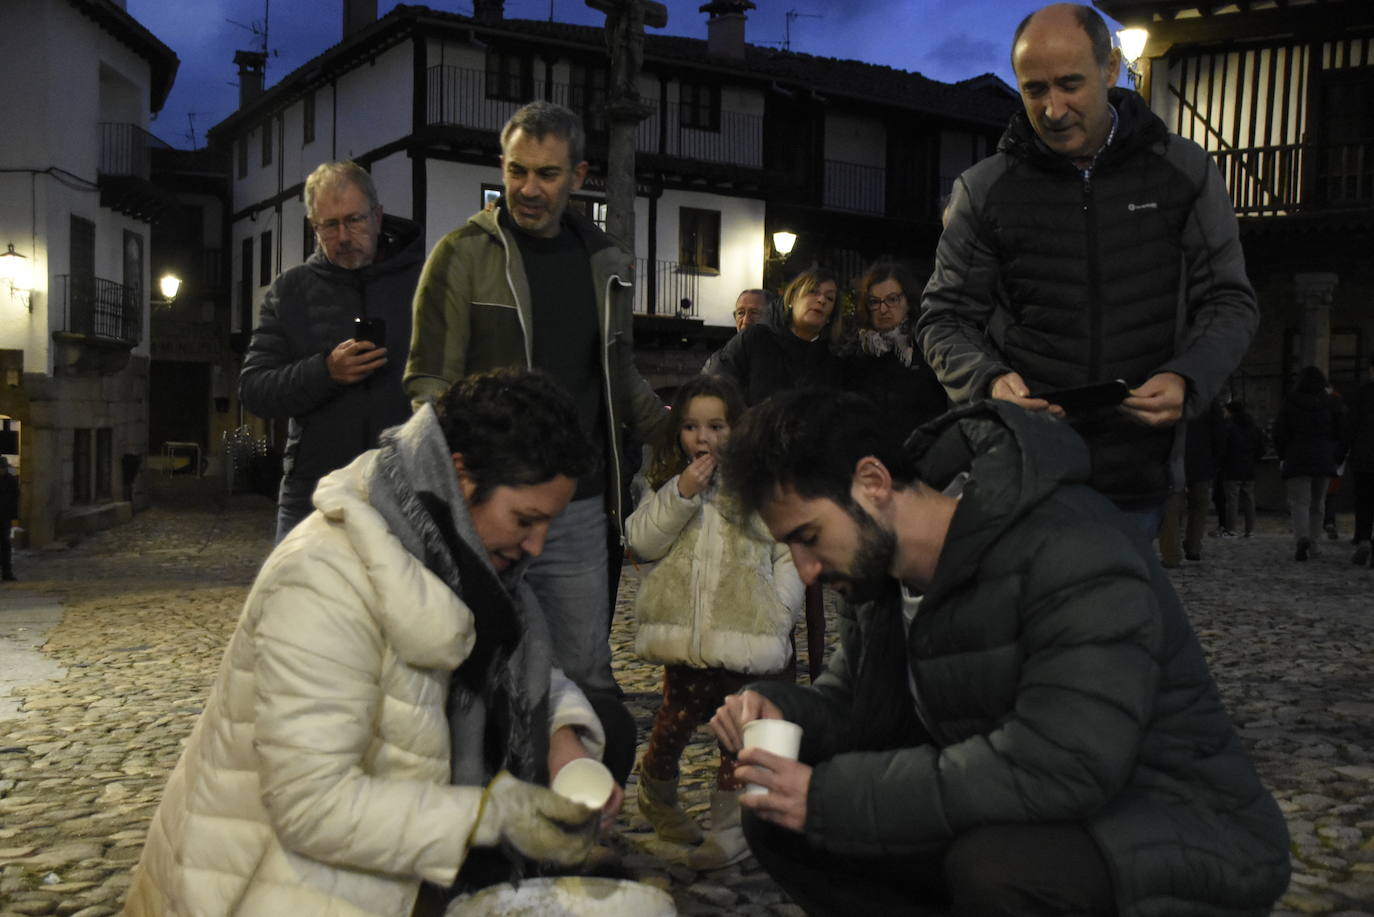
x,y
148,609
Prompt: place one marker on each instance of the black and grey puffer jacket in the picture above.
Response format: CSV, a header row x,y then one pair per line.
x,y
1054,677
306,313
1067,277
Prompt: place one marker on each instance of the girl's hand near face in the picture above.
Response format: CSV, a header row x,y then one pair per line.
x,y
697,476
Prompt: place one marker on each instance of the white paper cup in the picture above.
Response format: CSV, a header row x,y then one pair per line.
x,y
584,780
778,736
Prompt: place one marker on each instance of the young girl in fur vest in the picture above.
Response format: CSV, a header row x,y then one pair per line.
x,y
717,611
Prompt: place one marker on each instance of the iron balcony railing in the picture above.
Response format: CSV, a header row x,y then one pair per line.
x,y
458,96
100,308
854,187
738,141
666,290
1288,178
125,149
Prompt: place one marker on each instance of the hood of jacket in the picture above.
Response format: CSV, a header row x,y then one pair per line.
x,y
400,246
1015,460
1137,127
392,550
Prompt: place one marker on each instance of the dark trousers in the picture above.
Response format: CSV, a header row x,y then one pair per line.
x,y
294,503
6,550
1364,504
1021,870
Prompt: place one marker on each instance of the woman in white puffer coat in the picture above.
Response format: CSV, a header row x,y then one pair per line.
x,y
717,611
387,703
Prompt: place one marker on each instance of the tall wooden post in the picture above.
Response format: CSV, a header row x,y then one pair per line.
x,y
625,22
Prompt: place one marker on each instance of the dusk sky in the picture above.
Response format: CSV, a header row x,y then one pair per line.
x,y
942,40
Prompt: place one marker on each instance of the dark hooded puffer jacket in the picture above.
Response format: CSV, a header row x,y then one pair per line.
x,y
1078,279
1035,704
306,313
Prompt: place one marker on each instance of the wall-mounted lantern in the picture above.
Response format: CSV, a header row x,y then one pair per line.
x,y
15,273
1132,42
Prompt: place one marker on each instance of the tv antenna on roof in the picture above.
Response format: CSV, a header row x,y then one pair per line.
x,y
259,31
787,25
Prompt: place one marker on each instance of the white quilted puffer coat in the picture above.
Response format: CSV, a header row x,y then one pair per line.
x,y
316,781
722,596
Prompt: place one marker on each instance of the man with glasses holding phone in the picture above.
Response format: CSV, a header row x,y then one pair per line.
x,y
333,334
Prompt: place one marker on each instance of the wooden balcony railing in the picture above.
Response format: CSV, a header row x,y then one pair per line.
x,y
100,308
854,187
458,96
1296,177
125,149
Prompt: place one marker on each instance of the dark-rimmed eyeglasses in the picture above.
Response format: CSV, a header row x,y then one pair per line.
x,y
889,302
354,223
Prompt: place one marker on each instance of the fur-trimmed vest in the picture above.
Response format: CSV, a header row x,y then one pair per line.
x,y
722,595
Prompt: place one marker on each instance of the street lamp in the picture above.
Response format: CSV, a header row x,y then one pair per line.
x,y
1132,42
15,273
169,285
783,241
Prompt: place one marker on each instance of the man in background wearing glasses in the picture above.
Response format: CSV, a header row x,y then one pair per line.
x,y
333,334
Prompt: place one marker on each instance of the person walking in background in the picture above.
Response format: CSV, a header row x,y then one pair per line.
x,y
1187,509
1242,448
716,612
1309,435
332,335
792,350
9,511
1360,456
881,359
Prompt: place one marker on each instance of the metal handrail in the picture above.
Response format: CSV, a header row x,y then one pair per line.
x,y
100,308
855,187
125,149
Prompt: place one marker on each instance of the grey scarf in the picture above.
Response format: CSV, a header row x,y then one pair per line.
x,y
498,698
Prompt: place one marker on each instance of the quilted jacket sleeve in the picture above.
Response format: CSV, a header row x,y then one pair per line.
x,y
1223,312
318,652
568,706
960,300
281,377
658,521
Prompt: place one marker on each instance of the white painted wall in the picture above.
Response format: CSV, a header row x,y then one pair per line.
x,y
741,247
67,75
455,193
375,102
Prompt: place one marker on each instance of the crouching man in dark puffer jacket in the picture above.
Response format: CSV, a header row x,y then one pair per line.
x,y
1019,719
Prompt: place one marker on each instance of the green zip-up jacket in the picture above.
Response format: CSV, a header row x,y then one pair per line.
x,y
473,314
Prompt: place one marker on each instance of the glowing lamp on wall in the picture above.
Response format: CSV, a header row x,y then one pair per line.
x,y
1132,42
169,286
783,241
15,273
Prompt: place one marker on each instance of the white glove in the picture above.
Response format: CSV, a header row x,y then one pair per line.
x,y
535,820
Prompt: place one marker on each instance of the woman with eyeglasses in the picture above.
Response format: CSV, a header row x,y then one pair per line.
x,y
880,356
792,350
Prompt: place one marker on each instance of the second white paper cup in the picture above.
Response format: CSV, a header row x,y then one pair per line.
x,y
584,780
778,736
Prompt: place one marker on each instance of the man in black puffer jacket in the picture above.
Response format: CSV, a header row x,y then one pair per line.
x,y
312,358
1019,718
1094,245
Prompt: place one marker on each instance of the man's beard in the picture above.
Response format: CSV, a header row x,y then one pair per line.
x,y
869,576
